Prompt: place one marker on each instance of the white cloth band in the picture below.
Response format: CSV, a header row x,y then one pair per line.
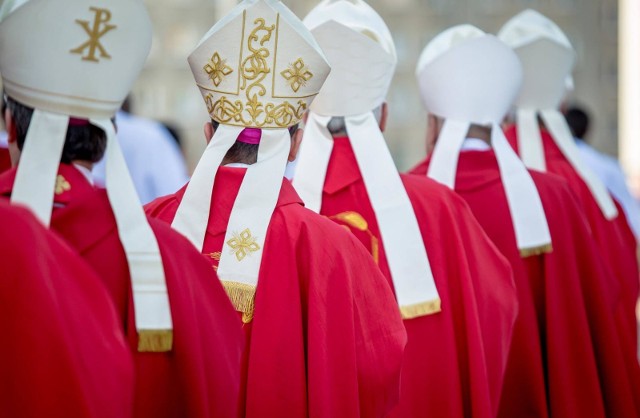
x,y
35,181
527,212
403,244
150,295
560,132
313,161
444,159
405,250
530,145
192,216
529,220
252,210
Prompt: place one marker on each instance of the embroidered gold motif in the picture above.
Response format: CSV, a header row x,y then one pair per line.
x,y
100,28
243,244
254,69
62,185
356,221
297,75
217,69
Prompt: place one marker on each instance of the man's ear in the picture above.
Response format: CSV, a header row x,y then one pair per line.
x,y
384,113
296,140
433,131
209,130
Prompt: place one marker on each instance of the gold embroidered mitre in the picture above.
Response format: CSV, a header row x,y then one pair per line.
x,y
259,67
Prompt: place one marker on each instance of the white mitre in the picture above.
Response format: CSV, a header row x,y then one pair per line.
x,y
469,77
257,68
548,59
79,58
362,56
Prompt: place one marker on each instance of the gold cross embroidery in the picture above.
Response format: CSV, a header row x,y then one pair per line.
x,y
217,69
243,244
297,75
62,185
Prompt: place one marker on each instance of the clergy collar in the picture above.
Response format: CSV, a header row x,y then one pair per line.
x,y
475,144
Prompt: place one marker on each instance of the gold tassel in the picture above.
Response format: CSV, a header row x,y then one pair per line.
x,y
421,309
242,298
530,252
155,340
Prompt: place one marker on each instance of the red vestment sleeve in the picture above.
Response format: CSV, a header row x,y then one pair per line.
x,y
62,353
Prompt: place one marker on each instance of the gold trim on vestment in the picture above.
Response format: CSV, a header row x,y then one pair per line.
x,y
242,298
530,252
155,341
421,309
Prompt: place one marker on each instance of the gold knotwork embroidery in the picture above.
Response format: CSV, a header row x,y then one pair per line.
x,y
356,221
243,244
217,69
254,69
297,75
100,28
62,185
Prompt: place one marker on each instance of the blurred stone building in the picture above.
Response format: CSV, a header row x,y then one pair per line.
x,y
166,90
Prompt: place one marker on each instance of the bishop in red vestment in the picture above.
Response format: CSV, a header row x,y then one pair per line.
x,y
567,358
325,337
543,139
181,329
564,296
454,289
62,352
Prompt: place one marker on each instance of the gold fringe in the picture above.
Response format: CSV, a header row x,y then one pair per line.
x,y
155,340
242,298
421,309
530,252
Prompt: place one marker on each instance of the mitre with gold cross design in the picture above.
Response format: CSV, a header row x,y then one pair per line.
x,y
258,70
79,59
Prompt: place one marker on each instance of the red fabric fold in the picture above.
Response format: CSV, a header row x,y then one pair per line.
x,y
200,377
62,353
569,297
326,339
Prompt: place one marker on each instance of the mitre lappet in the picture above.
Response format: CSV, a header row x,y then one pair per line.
x,y
78,59
363,59
258,69
468,77
548,59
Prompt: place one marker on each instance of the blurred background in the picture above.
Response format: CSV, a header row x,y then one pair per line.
x,y
165,90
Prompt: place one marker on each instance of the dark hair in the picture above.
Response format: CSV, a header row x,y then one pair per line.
x,y
578,120
241,152
84,143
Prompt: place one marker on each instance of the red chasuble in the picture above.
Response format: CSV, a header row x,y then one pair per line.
x,y
62,353
567,357
616,246
455,359
200,377
326,339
